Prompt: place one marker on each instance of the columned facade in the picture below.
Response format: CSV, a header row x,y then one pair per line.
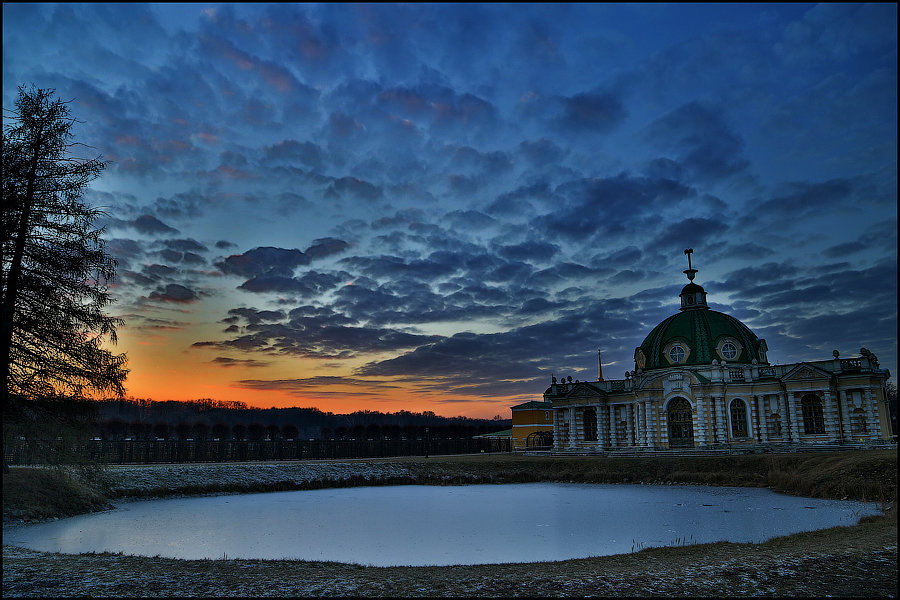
x,y
702,380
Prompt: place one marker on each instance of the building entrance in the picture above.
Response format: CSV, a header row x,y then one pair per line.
x,y
681,424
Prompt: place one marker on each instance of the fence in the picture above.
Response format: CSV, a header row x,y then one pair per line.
x,y
24,452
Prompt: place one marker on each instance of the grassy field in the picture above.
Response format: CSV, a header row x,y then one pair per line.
x,y
846,561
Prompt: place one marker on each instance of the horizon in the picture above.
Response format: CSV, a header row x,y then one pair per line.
x,y
244,406
436,207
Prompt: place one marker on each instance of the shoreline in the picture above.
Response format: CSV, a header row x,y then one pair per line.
x,y
844,561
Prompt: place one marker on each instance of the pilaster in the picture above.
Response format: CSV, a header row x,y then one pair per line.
x,y
612,426
651,424
701,423
796,418
846,418
573,428
719,408
831,417
874,425
764,419
629,424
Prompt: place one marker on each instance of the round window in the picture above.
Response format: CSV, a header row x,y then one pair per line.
x,y
729,351
676,354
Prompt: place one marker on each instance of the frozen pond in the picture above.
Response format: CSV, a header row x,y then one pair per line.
x,y
431,525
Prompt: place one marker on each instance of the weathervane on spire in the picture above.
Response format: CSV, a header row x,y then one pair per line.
x,y
690,271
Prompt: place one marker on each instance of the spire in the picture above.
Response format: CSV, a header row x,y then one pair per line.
x,y
690,271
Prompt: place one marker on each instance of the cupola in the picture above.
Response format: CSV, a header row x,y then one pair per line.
x,y
698,335
692,295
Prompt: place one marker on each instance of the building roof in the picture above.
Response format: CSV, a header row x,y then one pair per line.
x,y
701,334
534,404
504,433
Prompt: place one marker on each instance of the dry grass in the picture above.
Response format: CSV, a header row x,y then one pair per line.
x,y
36,494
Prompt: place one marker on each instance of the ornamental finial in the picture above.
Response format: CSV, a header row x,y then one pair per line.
x,y
690,271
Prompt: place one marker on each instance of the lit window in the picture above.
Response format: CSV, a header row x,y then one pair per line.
x,y
676,354
729,351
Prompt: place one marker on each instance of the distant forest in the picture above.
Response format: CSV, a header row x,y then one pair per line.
x,y
208,419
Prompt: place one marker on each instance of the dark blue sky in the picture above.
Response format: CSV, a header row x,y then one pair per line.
x,y
436,206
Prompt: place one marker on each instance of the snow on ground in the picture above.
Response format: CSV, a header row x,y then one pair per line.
x,y
142,479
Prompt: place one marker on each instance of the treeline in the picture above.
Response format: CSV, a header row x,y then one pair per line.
x,y
208,419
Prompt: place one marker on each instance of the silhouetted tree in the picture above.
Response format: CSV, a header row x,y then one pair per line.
x,y
55,268
183,430
325,434
256,431
161,430
239,431
139,430
340,432
290,431
114,429
221,431
273,429
201,430
373,431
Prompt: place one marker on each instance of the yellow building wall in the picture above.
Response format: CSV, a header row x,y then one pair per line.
x,y
528,421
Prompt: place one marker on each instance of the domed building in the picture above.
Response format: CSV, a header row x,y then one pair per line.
x,y
702,380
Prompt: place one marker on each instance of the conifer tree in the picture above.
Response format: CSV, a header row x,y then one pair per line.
x,y
53,261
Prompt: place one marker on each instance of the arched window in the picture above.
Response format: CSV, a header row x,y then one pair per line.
x,y
738,418
813,419
589,417
681,426
539,439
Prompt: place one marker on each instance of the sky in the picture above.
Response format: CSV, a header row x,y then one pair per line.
x,y
436,207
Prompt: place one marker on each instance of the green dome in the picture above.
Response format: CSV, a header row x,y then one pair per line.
x,y
697,337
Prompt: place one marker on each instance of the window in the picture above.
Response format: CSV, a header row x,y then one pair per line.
x,y
813,418
589,419
738,418
729,351
681,426
676,354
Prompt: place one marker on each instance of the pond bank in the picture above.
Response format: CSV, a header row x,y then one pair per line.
x,y
847,561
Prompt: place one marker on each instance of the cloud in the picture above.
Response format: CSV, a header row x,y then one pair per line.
x,y
226,362
291,152
536,251
146,224
305,337
804,198
264,260
174,292
323,247
592,112
701,141
595,207
309,284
